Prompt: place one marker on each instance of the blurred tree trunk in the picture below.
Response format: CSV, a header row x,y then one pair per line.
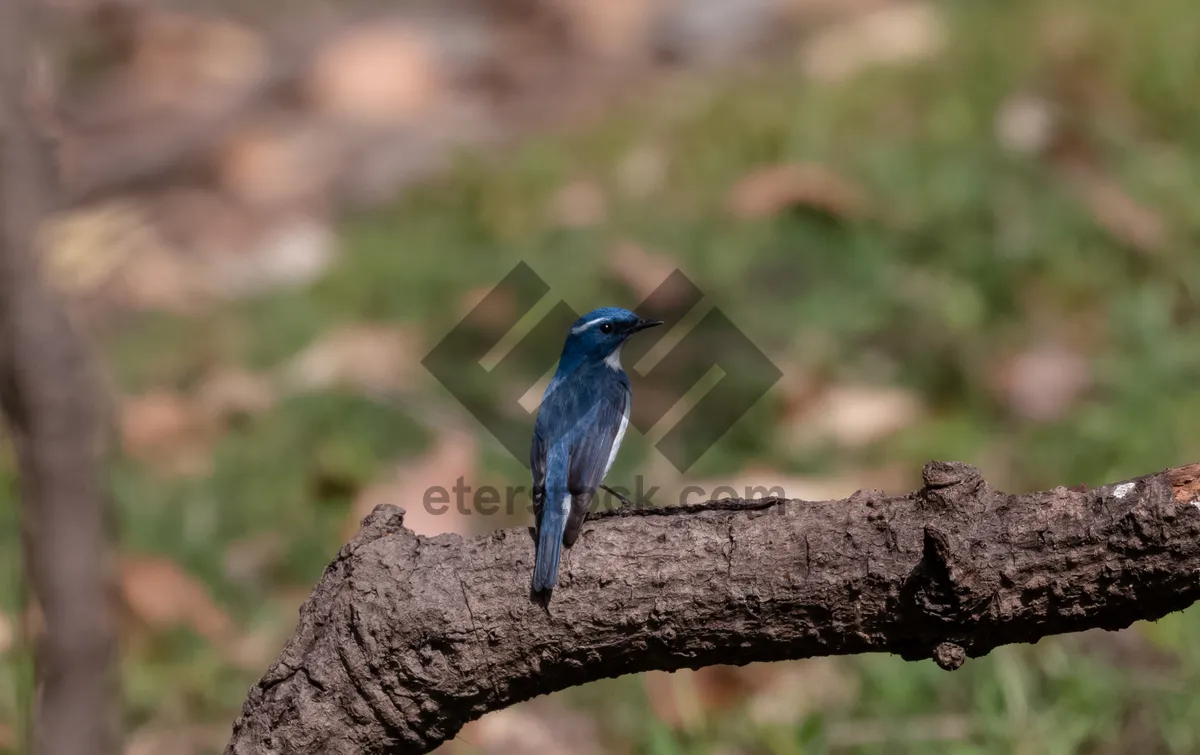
x,y
49,406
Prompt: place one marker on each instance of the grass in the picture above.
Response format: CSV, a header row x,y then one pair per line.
x,y
968,252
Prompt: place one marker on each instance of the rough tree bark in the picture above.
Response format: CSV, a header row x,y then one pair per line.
x,y
50,409
407,638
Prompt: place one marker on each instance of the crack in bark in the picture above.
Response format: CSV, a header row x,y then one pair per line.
x,y
807,557
478,641
363,678
729,555
959,570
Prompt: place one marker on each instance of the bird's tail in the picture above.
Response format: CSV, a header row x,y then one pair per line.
x,y
550,536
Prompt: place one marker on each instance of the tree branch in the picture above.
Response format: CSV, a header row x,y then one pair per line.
x,y
407,638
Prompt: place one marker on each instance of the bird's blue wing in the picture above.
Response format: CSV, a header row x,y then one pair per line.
x,y
593,450
592,446
563,409
537,464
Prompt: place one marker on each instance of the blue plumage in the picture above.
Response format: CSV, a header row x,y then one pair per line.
x,y
579,428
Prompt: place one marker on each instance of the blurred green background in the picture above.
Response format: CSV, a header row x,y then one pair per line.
x,y
985,255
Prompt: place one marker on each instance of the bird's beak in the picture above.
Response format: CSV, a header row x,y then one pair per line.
x,y
643,324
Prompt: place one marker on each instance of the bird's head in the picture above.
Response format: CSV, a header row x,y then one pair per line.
x,y
600,333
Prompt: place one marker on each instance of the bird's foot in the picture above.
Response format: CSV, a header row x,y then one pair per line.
x,y
625,502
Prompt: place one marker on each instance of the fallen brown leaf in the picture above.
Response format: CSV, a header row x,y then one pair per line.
x,y
1127,220
1043,383
256,649
161,281
377,75
225,247
161,595
115,251
291,251
86,247
579,204
799,388
235,392
277,163
897,33
372,358
772,189
642,270
785,694
854,416
535,728
613,32
773,693
685,699
168,431
454,454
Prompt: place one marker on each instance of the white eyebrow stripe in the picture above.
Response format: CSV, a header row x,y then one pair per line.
x,y
579,329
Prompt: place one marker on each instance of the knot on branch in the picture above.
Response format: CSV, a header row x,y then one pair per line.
x,y
951,484
385,515
943,474
949,656
385,519
945,587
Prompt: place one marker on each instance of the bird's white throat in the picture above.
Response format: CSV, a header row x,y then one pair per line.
x,y
613,360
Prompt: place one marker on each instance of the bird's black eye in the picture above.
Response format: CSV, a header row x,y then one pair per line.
x,y
606,327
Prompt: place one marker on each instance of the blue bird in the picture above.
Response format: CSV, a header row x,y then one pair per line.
x,y
579,428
